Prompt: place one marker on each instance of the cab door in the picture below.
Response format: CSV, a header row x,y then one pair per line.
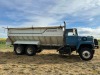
x,y
71,38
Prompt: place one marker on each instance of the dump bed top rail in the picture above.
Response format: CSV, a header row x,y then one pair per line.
x,y
53,27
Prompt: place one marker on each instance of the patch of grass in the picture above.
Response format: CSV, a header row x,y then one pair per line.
x,y
3,44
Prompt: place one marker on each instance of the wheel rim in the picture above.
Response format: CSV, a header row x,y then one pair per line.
x,y
29,51
18,50
86,54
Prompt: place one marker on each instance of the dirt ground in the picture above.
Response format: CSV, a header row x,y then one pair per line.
x,y
47,63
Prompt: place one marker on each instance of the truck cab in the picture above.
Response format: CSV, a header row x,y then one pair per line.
x,y
76,41
84,45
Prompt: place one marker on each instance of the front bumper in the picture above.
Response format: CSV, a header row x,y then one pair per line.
x,y
96,47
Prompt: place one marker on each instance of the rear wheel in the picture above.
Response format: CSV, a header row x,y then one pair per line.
x,y
86,54
30,50
19,49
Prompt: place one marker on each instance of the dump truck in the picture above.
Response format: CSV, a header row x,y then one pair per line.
x,y
33,40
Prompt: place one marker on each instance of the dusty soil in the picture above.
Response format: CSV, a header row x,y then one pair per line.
x,y
47,63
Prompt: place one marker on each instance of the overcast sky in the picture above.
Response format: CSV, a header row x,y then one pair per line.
x,y
81,14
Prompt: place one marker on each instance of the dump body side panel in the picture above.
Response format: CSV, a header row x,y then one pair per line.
x,y
46,36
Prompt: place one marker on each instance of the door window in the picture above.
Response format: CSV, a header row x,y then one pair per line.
x,y
70,34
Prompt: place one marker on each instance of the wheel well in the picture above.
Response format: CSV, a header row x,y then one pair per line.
x,y
85,45
19,45
33,45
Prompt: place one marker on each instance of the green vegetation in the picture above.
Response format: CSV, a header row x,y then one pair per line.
x,y
3,44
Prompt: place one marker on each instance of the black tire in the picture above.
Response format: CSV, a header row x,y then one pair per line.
x,y
86,54
30,50
19,49
84,38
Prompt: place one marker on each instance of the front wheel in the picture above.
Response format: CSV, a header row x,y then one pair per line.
x,y
86,54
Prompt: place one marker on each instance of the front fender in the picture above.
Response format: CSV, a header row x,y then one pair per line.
x,y
85,43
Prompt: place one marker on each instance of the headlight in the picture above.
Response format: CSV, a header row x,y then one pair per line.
x,y
84,38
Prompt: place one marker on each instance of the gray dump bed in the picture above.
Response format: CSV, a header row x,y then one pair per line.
x,y
36,35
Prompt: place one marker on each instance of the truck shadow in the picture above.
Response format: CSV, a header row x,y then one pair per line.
x,y
11,58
